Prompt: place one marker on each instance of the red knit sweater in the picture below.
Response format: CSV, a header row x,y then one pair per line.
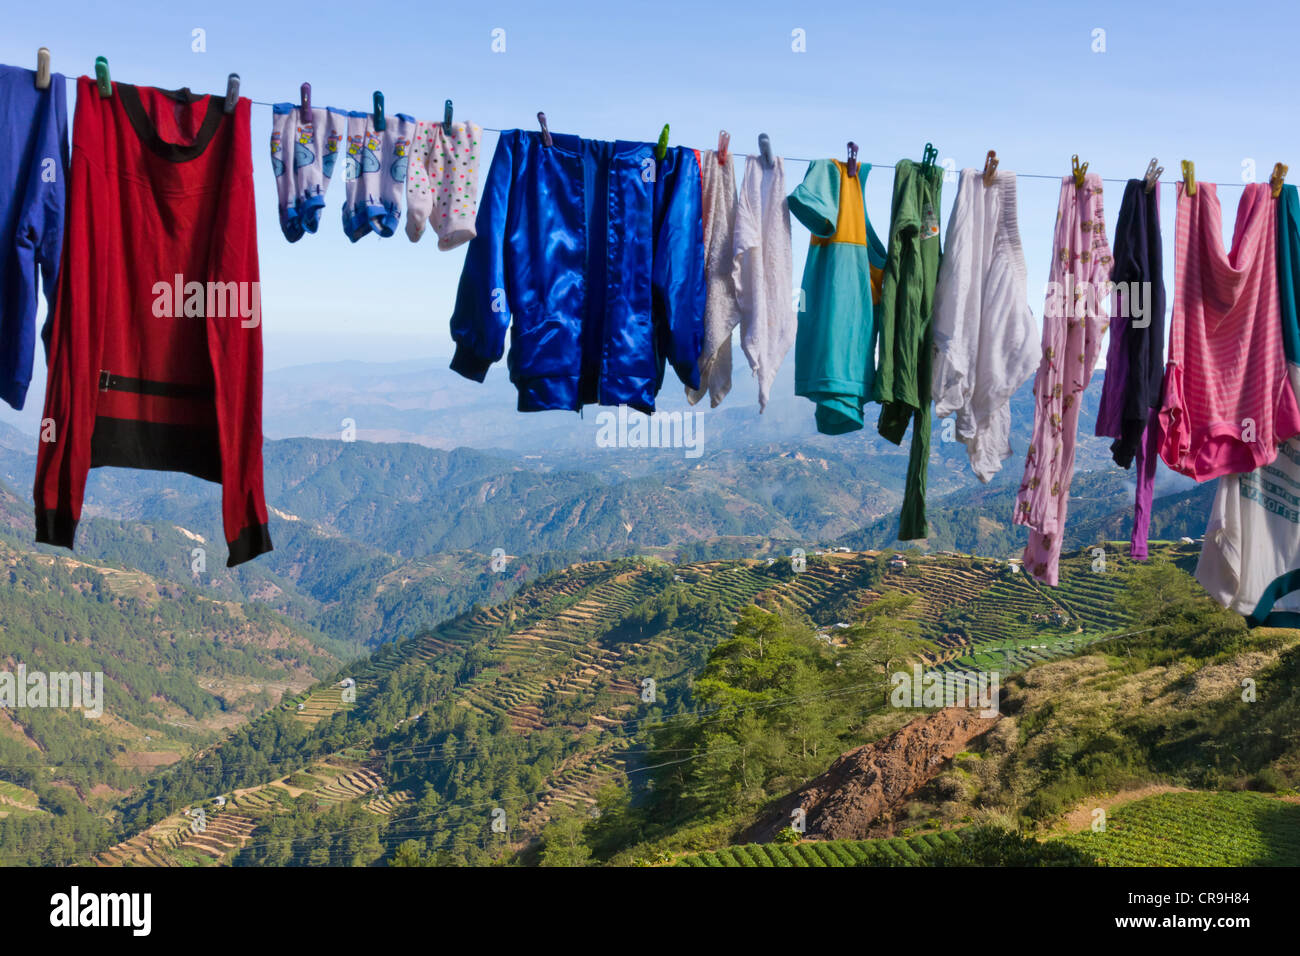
x,y
155,342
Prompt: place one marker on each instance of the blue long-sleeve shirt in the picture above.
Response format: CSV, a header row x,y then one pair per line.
x,y
591,254
33,190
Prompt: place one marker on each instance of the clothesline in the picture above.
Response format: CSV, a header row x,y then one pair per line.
x,y
800,159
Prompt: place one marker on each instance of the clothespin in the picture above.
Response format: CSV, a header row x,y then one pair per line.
x,y
853,159
102,78
1152,176
43,68
305,107
232,92
1079,170
1189,177
724,144
1278,178
546,133
765,150
661,148
446,118
380,124
990,167
929,156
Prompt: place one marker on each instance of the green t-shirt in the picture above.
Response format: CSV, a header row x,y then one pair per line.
x,y
906,329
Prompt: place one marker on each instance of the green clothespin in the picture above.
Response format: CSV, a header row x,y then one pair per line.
x,y
102,78
929,155
662,149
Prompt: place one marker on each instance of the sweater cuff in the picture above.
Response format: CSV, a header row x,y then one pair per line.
x,y
252,541
55,527
468,364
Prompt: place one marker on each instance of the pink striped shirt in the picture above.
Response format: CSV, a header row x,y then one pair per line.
x,y
1227,401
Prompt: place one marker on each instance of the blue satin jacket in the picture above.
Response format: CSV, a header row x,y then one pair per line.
x,y
596,252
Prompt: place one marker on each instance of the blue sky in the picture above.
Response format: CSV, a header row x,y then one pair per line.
x,y
1188,81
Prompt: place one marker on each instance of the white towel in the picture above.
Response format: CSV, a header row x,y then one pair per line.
x,y
764,272
721,312
985,337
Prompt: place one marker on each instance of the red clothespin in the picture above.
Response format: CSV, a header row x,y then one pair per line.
x,y
724,143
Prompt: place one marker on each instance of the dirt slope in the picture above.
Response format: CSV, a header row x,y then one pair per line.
x,y
860,785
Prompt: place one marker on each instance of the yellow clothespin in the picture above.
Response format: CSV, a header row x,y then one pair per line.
x,y
1278,178
1189,177
1078,171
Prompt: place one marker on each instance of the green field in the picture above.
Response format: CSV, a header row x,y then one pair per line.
x,y
1171,829
1197,829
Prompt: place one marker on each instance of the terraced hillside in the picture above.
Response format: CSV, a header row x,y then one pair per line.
x,y
573,658
211,834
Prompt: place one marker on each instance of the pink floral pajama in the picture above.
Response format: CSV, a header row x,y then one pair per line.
x,y
1074,321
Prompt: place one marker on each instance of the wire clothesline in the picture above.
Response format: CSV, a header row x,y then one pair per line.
x,y
800,159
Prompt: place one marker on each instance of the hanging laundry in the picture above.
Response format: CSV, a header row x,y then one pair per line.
x,y
904,376
839,297
1130,394
1227,401
721,311
442,182
763,270
1250,559
376,164
1074,321
595,252
304,150
161,367
33,177
984,331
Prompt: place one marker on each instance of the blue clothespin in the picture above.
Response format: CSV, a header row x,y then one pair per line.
x,y
765,150
380,125
232,92
102,78
446,118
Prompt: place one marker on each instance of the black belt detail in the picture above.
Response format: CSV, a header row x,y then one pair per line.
x,y
144,386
